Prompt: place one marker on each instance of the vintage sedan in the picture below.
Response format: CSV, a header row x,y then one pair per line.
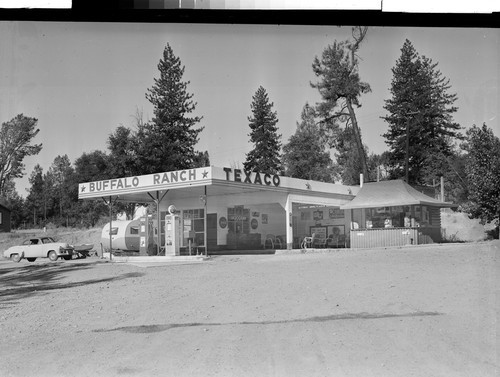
x,y
39,247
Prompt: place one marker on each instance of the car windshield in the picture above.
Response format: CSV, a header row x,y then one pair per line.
x,y
47,240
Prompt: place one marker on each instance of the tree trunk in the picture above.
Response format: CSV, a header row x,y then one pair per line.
x,y
357,137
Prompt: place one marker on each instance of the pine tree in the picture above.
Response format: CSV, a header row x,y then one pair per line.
x,y
482,167
168,141
347,166
340,88
16,136
305,155
89,167
17,205
64,188
421,126
122,157
265,157
36,200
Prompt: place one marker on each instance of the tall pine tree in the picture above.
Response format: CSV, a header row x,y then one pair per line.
x,y
36,201
16,138
347,166
92,166
265,157
122,156
64,190
420,118
305,155
168,141
340,87
482,166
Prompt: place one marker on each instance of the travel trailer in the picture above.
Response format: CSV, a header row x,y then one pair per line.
x,y
126,235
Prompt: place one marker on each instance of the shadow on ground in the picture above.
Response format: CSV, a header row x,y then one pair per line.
x,y
20,274
20,282
334,317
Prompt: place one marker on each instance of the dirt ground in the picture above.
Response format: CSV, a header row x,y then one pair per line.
x,y
414,311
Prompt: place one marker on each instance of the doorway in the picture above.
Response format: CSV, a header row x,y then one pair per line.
x,y
212,231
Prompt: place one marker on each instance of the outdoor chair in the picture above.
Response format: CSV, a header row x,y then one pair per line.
x,y
281,240
332,241
333,238
342,241
273,242
308,241
319,242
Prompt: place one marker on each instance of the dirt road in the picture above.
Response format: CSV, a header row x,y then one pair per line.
x,y
419,311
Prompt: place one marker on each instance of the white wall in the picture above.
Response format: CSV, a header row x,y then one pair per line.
x,y
220,204
275,220
276,216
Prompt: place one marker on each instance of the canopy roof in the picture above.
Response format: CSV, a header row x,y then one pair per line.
x,y
214,181
390,194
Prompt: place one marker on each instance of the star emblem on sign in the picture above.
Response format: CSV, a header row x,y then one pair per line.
x,y
205,174
83,188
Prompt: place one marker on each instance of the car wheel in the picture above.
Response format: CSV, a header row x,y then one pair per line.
x,y
68,257
15,258
53,256
31,259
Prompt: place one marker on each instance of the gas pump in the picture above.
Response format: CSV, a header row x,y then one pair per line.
x,y
145,235
172,232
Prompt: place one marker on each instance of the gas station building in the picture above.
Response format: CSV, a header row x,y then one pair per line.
x,y
229,209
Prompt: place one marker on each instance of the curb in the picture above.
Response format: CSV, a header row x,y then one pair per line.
x,y
157,259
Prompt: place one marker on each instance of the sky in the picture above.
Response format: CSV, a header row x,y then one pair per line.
x,y
83,80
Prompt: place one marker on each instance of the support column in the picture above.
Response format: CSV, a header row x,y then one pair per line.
x,y
157,201
110,228
158,219
205,237
110,204
289,223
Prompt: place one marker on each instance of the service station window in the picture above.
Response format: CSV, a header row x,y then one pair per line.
x,y
385,217
422,217
194,224
238,219
397,217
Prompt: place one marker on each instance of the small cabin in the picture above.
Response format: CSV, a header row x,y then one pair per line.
x,y
392,213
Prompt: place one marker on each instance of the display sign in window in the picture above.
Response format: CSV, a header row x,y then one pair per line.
x,y
238,219
319,231
336,213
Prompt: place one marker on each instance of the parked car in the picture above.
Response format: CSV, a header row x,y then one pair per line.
x,y
39,247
